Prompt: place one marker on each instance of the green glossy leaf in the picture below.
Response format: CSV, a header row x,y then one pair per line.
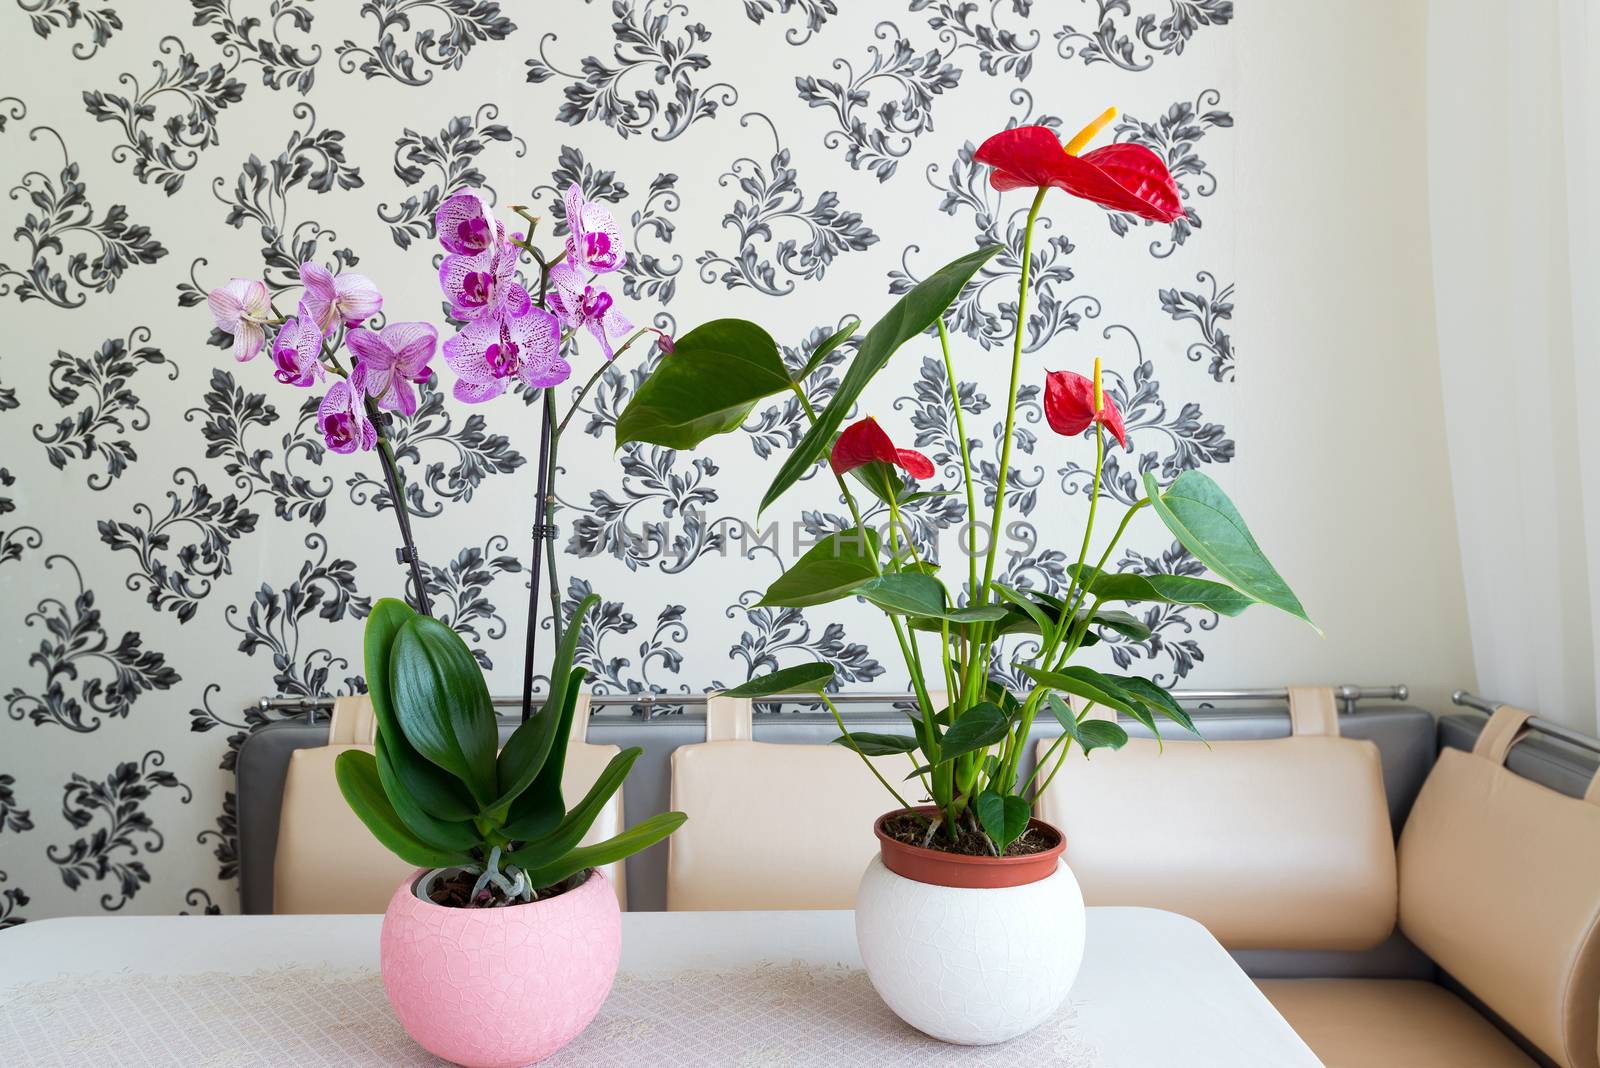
x,y
1045,624
1156,699
1166,589
829,570
802,678
454,835
356,772
1124,623
872,744
913,313
642,835
1090,734
437,792
833,341
1086,683
443,704
540,806
1205,521
905,593
978,727
1004,817
541,847
535,755
707,385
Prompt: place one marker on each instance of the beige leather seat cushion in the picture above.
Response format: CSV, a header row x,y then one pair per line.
x,y
328,862
1390,1023
1282,844
1500,885
773,826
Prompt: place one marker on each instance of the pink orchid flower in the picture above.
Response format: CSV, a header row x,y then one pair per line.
x,y
585,304
335,298
239,308
343,420
297,351
489,352
484,283
465,224
594,243
388,362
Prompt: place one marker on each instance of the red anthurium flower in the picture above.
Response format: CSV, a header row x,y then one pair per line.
x,y
1070,405
865,443
1121,177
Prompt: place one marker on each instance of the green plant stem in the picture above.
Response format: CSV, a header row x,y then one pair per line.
x,y
929,744
1011,398
870,765
1042,761
966,459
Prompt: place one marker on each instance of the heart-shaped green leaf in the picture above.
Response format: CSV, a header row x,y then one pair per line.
x,y
829,570
1086,683
1004,817
443,704
978,727
1205,521
802,678
707,385
1090,734
1157,699
871,744
1165,589
913,313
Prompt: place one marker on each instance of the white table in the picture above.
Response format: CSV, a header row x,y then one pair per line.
x,y
1155,988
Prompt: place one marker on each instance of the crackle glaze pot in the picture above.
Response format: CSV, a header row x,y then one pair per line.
x,y
970,950
497,988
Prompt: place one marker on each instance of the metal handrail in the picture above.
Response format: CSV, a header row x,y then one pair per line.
x,y
1538,723
1347,695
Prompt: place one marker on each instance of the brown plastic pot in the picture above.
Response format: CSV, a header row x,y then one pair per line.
x,y
972,873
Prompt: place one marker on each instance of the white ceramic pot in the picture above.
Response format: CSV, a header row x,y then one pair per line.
x,y
972,966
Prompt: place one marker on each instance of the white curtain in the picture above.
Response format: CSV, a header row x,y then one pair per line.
x,y
1513,129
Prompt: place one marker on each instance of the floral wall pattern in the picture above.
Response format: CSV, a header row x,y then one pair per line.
x,y
175,539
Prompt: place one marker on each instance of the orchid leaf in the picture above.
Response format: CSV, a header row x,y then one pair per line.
x,y
1205,522
454,835
707,385
536,753
542,846
435,791
356,772
640,836
443,704
912,314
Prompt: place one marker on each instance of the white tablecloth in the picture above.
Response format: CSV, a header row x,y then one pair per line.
x,y
694,989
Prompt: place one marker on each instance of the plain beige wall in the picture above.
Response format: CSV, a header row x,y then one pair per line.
x,y
1346,480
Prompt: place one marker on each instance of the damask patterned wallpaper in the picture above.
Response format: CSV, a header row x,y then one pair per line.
x,y
174,539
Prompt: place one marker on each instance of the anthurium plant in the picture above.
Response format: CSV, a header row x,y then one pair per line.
x,y
969,727
437,794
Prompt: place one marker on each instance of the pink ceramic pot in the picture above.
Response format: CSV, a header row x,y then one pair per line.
x,y
499,988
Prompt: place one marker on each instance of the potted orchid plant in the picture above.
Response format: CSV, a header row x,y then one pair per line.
x,y
961,854
507,913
